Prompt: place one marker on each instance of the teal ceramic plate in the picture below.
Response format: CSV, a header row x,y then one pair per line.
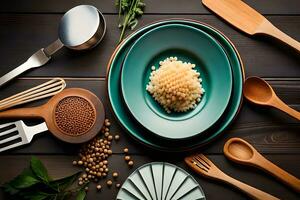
x,y
137,131
188,44
171,182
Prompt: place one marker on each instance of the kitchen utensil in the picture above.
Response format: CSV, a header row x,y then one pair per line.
x,y
240,151
138,132
74,115
44,90
171,182
181,41
248,20
203,166
258,91
82,27
24,134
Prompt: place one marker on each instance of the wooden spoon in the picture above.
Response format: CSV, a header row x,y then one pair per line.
x,y
74,115
242,152
248,20
260,92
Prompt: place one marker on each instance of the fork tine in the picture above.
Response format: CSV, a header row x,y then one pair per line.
x,y
9,139
205,159
202,162
11,146
5,125
199,165
8,131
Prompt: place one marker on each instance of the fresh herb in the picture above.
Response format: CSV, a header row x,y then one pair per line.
x,y
129,10
34,183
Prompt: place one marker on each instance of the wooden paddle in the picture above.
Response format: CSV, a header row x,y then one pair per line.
x,y
245,18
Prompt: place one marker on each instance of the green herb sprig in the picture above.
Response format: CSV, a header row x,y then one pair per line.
x,y
129,11
34,183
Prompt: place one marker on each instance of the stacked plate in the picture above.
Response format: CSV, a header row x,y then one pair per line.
x,y
215,58
160,181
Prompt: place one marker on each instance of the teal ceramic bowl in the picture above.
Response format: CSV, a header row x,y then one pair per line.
x,y
138,132
188,44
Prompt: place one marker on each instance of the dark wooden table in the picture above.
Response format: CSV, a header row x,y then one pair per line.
x,y
27,25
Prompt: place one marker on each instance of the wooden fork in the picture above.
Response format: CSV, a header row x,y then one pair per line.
x,y
203,166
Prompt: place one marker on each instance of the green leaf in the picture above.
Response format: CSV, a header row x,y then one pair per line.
x,y
81,194
9,189
39,169
24,180
63,183
36,195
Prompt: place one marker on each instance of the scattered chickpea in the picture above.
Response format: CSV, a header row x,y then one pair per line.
x,y
98,187
126,150
74,162
80,183
106,134
80,162
117,137
109,183
127,158
118,185
86,189
115,174
130,163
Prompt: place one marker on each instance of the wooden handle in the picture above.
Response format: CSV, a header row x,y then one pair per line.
x,y
279,173
35,112
277,103
269,29
249,190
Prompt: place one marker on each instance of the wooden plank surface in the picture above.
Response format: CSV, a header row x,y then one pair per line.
x,y
282,7
27,25
19,39
62,165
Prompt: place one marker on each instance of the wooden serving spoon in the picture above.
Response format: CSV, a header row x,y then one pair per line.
x,y
74,115
248,20
260,92
242,152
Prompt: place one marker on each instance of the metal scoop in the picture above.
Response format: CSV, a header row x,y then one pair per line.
x,y
82,27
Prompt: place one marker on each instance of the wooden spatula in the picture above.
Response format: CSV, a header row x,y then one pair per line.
x,y
245,18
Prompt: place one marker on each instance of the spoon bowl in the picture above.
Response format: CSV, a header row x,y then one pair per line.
x,y
82,27
240,151
258,91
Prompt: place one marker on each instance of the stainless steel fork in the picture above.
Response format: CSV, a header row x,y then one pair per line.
x,y
24,134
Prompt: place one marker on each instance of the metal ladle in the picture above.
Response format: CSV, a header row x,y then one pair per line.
x,y
82,27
